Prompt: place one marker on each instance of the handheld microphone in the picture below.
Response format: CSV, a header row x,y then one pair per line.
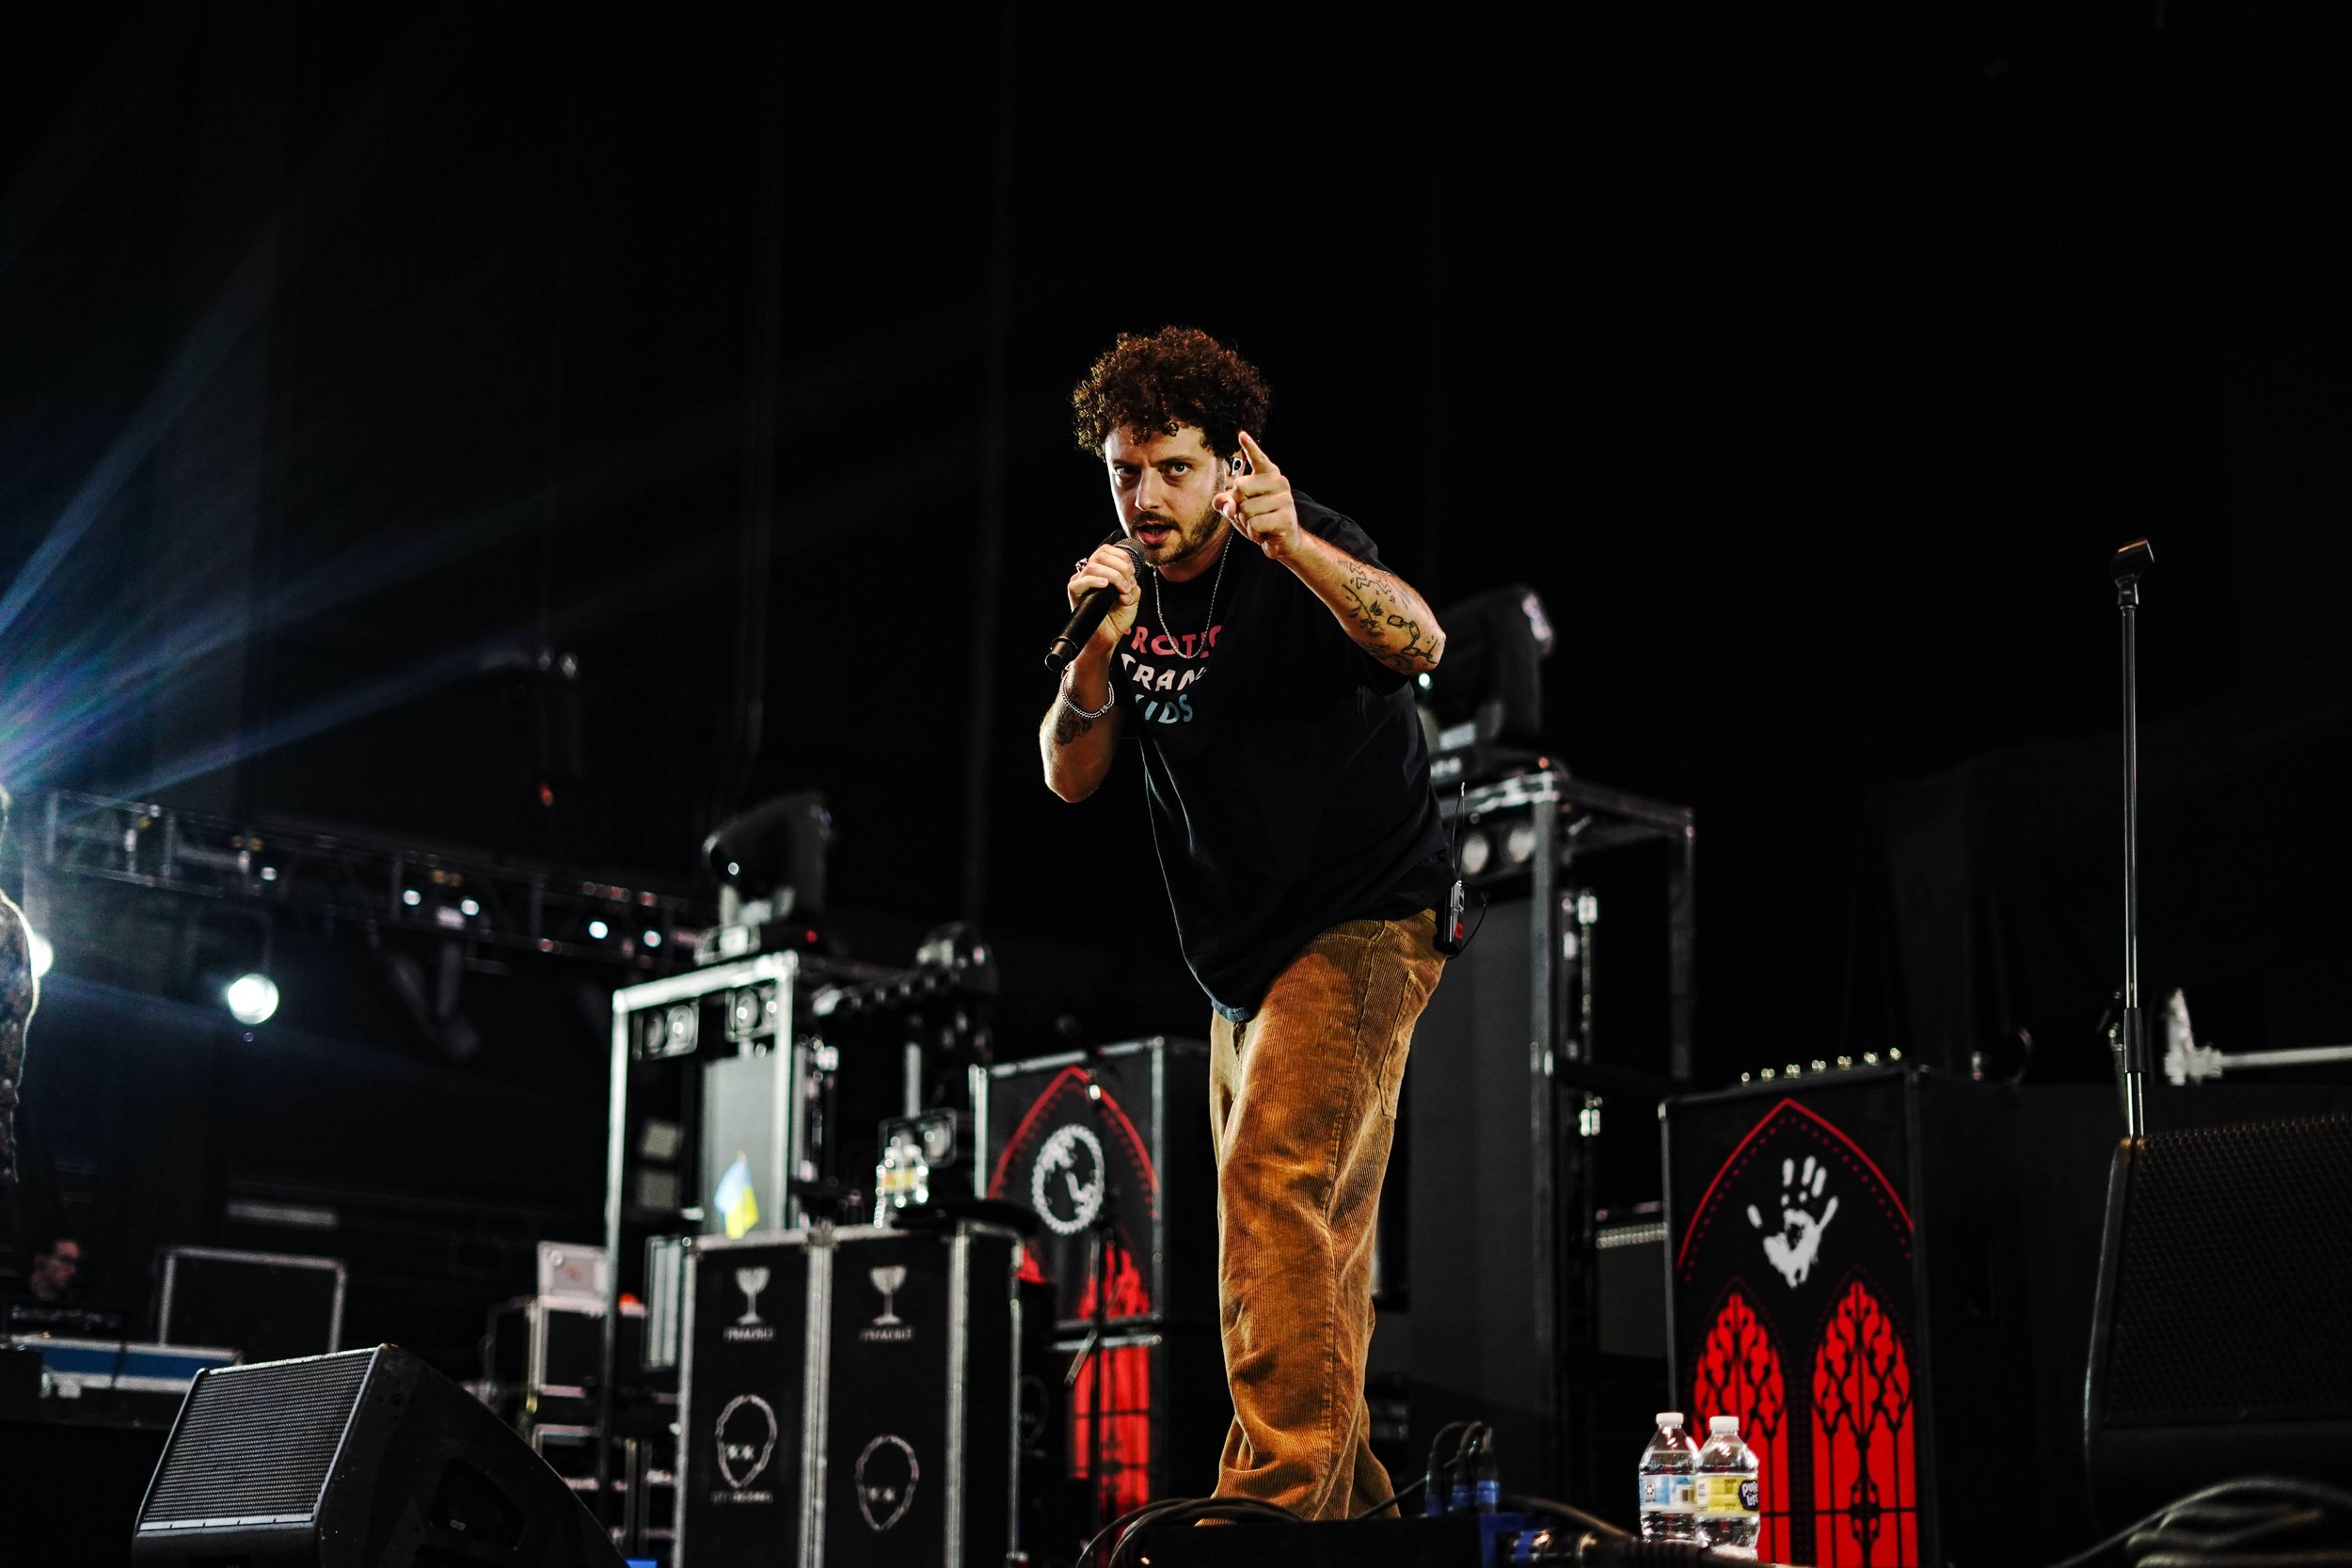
x,y
1091,608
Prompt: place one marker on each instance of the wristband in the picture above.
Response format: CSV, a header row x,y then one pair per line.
x,y
1109,702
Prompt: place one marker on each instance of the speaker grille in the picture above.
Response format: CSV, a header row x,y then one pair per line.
x,y
2235,1277
256,1443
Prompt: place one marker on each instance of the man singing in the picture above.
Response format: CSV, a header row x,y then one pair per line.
x,y
1263,662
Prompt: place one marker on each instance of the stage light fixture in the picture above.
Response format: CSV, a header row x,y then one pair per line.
x,y
1519,842
43,956
470,909
251,998
1488,696
411,897
653,939
1476,852
598,929
775,852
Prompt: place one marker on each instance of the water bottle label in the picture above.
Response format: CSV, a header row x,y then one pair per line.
x,y
1721,1494
1667,1493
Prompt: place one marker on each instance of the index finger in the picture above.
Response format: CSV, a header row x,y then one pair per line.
x,y
1259,462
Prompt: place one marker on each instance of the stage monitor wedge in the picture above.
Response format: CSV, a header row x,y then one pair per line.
x,y
2217,1345
369,1459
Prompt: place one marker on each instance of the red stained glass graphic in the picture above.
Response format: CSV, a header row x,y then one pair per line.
x,y
1124,1373
1866,1477
1739,1374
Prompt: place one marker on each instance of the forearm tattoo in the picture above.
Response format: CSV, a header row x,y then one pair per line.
x,y
1069,726
1381,625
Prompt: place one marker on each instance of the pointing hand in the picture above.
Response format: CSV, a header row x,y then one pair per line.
x,y
1258,503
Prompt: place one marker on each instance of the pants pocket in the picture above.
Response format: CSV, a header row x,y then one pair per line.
x,y
1421,967
1392,1077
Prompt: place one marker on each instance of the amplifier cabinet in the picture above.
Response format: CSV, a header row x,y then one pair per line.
x,y
1142,1145
850,1399
1846,1278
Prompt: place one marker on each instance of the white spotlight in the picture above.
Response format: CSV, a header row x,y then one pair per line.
x,y
653,939
251,998
598,929
44,957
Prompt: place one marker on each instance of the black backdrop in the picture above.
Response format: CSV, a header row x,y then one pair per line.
x,y
1808,363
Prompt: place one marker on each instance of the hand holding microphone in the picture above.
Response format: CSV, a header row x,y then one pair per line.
x,y
1103,600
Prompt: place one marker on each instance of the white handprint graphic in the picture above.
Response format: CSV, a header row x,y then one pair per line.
x,y
1791,1248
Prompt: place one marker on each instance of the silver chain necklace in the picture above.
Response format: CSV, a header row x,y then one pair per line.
x,y
1214,583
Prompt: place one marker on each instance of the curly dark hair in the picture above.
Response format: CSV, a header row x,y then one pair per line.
x,y
1175,378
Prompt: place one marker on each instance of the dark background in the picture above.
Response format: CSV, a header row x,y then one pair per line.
x,y
1810,364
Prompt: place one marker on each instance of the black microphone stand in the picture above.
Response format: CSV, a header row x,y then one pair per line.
x,y
2131,1046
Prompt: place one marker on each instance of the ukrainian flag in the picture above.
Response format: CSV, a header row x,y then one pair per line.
x,y
735,1201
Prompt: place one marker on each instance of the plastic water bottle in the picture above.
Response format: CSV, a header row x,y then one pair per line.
x,y
1724,1491
1667,1465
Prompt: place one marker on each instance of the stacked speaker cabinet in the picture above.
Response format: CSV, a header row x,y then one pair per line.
x,y
849,1399
1501,1151
1846,1280
1113,1145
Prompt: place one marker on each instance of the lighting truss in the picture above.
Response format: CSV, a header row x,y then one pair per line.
x,y
383,882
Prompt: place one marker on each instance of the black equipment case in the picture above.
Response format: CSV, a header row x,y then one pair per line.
x,y
850,1399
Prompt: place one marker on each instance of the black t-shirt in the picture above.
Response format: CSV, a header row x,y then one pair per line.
x,y
1288,780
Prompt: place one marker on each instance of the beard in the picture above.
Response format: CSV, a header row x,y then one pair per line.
x,y
1187,541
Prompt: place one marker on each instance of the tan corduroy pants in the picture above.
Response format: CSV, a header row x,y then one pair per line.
x,y
1302,1104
